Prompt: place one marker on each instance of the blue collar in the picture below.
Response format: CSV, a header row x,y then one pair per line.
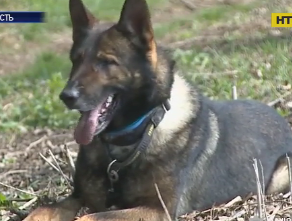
x,y
133,132
130,127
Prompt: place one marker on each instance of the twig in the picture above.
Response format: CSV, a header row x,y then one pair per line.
x,y
19,200
56,168
162,202
285,196
276,210
238,214
70,159
12,172
49,143
29,203
263,190
259,190
234,92
286,208
279,100
52,165
234,201
23,191
263,181
69,182
33,144
234,89
290,177
70,143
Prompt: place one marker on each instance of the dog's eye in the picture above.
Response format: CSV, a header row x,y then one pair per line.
x,y
104,63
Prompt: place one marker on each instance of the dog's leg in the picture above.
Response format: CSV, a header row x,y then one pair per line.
x,y
280,179
64,210
134,214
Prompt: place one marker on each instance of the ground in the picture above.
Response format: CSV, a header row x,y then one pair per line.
x,y
218,43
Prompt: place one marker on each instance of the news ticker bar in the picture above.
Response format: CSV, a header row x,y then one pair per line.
x,y
281,20
22,17
277,19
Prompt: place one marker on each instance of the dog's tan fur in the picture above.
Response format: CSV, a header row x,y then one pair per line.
x,y
280,180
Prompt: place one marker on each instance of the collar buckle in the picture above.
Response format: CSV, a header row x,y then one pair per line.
x,y
112,173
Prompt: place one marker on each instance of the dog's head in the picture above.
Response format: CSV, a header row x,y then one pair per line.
x,y
114,75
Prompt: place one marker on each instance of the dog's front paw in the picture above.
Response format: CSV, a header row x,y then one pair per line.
x,y
50,214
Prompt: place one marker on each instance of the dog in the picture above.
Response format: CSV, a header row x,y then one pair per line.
x,y
145,131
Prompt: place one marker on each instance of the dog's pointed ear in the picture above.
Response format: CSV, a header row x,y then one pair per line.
x,y
81,18
136,21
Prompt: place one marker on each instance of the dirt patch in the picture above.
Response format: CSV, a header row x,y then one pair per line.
x,y
23,171
21,164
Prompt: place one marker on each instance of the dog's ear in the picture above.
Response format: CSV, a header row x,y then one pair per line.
x,y
81,19
135,21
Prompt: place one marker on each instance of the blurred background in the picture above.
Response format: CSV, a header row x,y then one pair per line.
x,y
218,44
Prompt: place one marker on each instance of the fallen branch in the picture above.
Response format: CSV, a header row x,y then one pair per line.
x,y
279,100
35,143
23,191
70,159
68,180
162,202
29,203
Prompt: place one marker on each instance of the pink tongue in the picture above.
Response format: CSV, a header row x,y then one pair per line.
x,y
85,129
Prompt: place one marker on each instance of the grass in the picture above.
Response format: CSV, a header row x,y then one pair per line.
x,y
57,15
40,107
30,98
222,12
270,57
231,39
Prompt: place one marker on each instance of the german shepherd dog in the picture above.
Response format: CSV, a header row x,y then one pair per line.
x,y
144,130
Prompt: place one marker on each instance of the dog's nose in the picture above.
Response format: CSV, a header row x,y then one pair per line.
x,y
69,96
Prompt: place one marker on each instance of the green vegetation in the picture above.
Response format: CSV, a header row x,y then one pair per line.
x,y
30,99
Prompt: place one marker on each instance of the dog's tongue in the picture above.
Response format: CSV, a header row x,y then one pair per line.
x,y
85,129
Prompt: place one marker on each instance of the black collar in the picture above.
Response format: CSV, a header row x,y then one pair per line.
x,y
147,126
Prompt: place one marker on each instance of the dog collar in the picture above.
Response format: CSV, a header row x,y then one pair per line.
x,y
134,128
133,132
155,116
